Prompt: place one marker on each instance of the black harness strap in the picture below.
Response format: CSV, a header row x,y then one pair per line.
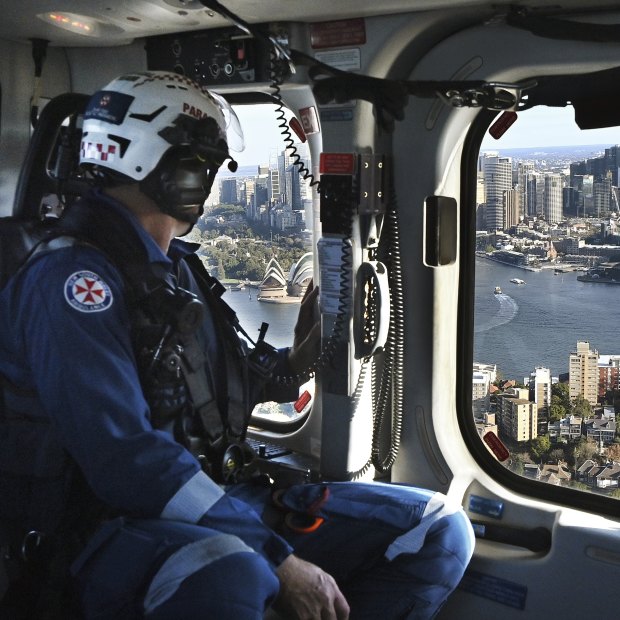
x,y
558,28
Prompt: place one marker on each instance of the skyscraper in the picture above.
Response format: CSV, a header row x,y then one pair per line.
x,y
524,169
497,173
511,208
601,191
552,201
228,191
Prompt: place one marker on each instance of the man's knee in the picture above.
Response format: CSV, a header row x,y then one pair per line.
x,y
448,548
454,533
240,586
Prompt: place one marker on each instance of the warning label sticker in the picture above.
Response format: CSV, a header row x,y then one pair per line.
x,y
331,251
337,163
345,60
338,33
500,590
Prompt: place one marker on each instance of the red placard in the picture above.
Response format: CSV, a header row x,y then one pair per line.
x,y
338,34
337,163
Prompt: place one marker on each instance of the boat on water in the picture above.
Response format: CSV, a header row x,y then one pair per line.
x,y
517,281
497,291
597,277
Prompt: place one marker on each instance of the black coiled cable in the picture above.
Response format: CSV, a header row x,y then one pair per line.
x,y
278,71
391,379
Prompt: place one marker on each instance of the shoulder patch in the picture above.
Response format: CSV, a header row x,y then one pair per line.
x,y
85,291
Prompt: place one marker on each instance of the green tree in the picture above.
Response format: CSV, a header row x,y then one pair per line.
x,y
581,407
557,454
539,446
556,411
221,274
562,395
584,449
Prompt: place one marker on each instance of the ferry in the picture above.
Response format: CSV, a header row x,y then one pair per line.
x,y
517,281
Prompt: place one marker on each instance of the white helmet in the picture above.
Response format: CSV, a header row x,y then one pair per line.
x,y
160,129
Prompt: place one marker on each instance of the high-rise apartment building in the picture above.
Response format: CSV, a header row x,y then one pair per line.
x,y
608,374
483,376
583,375
518,416
540,393
497,174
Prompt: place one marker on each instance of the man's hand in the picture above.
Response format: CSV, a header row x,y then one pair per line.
x,y
308,593
307,343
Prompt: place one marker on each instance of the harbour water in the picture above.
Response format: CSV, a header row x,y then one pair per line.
x,y
251,313
539,323
533,324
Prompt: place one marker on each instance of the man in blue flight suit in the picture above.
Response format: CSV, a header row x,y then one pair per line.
x,y
134,398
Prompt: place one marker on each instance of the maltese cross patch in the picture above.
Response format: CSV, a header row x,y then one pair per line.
x,y
87,292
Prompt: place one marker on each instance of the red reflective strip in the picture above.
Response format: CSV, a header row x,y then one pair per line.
x,y
501,125
496,445
298,129
302,401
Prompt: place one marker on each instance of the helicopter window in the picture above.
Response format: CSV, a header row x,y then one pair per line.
x,y
256,238
546,374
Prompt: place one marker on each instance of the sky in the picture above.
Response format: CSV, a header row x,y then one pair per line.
x,y
544,126
261,134
539,127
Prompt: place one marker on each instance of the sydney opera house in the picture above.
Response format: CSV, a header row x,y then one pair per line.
x,y
276,285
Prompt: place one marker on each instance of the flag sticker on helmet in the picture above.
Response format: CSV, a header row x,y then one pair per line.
x,y
108,106
85,291
95,150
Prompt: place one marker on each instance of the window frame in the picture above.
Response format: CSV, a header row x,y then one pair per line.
x,y
550,494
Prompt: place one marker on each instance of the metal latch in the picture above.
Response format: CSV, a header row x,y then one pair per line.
x,y
492,96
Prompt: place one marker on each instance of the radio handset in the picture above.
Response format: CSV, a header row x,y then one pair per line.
x,y
371,309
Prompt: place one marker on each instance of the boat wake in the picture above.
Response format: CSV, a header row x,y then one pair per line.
x,y
508,309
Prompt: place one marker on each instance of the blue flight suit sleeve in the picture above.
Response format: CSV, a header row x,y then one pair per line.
x,y
73,330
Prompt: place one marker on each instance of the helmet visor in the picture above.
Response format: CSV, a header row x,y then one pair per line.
x,y
234,133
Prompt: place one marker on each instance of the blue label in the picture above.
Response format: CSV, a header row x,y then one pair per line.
x,y
485,506
109,106
502,591
337,114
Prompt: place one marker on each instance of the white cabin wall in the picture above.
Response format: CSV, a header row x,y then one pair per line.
x,y
17,83
93,67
